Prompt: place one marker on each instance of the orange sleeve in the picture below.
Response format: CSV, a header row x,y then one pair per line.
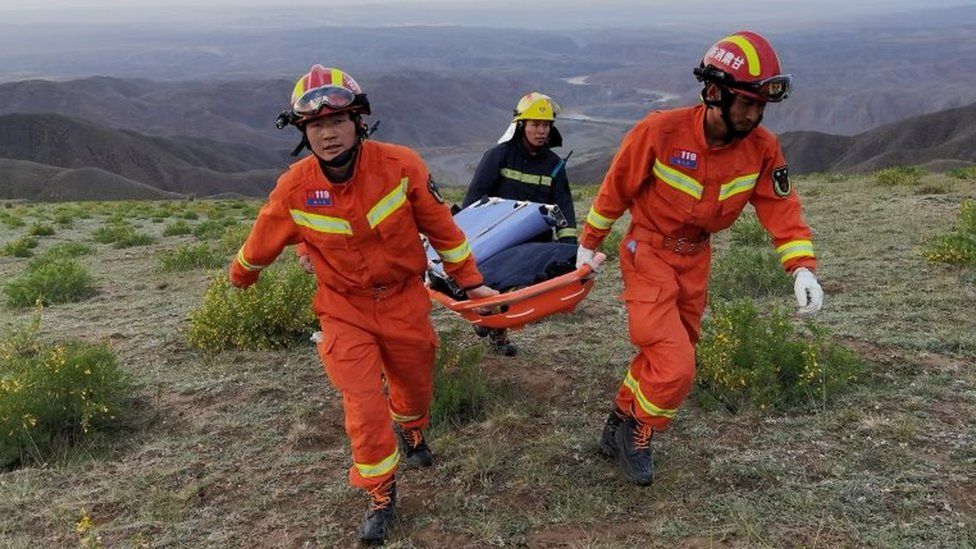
x,y
628,171
779,211
434,220
273,230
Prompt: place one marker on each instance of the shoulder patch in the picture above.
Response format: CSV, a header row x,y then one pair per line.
x,y
781,181
434,191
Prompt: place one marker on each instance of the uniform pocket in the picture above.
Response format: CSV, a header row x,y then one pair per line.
x,y
647,294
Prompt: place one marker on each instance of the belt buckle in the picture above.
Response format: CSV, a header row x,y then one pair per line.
x,y
378,291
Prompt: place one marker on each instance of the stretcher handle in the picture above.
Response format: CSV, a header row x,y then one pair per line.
x,y
513,297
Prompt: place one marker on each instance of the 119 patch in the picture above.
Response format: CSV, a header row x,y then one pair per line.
x,y
781,181
684,158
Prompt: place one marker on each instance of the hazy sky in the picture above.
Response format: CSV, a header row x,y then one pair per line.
x,y
498,13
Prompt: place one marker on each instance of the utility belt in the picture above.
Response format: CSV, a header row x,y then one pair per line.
x,y
681,245
378,292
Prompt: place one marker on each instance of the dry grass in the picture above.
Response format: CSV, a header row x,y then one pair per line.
x,y
247,448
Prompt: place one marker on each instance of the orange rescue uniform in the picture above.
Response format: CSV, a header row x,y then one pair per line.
x,y
363,238
678,191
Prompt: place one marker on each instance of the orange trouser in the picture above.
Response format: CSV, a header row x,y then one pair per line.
x,y
665,295
368,338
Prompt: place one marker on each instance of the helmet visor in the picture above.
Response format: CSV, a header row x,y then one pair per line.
x,y
773,89
332,97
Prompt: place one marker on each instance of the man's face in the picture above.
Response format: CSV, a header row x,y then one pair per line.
x,y
745,113
537,132
331,135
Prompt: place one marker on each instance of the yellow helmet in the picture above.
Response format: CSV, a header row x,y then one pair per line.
x,y
536,106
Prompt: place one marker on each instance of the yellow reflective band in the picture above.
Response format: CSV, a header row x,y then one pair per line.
x,y
794,249
529,178
455,255
681,181
645,404
738,185
299,89
752,58
369,470
599,221
321,223
388,204
245,264
337,77
403,419
566,233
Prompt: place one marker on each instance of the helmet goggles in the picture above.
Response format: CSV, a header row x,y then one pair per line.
x,y
331,97
773,89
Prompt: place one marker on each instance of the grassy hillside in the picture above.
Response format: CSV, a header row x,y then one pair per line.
x,y
247,448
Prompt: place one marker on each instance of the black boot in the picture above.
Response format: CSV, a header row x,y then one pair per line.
x,y
413,446
608,440
500,344
379,516
634,453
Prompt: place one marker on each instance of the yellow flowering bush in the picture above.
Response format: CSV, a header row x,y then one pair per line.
x,y
55,393
959,247
899,175
272,314
50,280
747,360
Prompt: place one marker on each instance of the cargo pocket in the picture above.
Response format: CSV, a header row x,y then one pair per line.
x,y
643,314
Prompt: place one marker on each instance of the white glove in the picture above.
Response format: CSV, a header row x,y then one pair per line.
x,y
584,256
809,294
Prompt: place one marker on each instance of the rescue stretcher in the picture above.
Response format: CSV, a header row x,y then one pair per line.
x,y
492,225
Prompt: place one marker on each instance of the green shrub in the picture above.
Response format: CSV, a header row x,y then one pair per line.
x,y
122,235
748,272
55,393
41,229
959,247
11,221
68,249
967,216
747,231
64,219
233,238
461,392
189,214
968,173
745,360
177,228
189,257
899,175
274,313
211,229
20,247
50,280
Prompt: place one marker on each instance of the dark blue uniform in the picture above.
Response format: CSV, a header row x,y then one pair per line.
x,y
508,170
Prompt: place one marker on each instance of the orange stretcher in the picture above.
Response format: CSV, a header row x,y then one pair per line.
x,y
513,310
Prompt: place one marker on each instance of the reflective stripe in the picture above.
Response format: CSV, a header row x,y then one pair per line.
x,y
566,233
388,204
244,263
738,185
681,181
526,177
455,255
369,470
645,404
321,223
752,58
599,221
337,78
403,419
794,249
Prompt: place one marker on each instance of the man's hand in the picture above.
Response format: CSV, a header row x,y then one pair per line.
x,y
480,292
809,294
306,263
584,256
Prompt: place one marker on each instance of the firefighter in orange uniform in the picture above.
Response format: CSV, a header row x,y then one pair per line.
x,y
358,208
684,174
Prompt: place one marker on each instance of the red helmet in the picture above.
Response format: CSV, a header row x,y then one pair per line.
x,y
746,63
323,91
